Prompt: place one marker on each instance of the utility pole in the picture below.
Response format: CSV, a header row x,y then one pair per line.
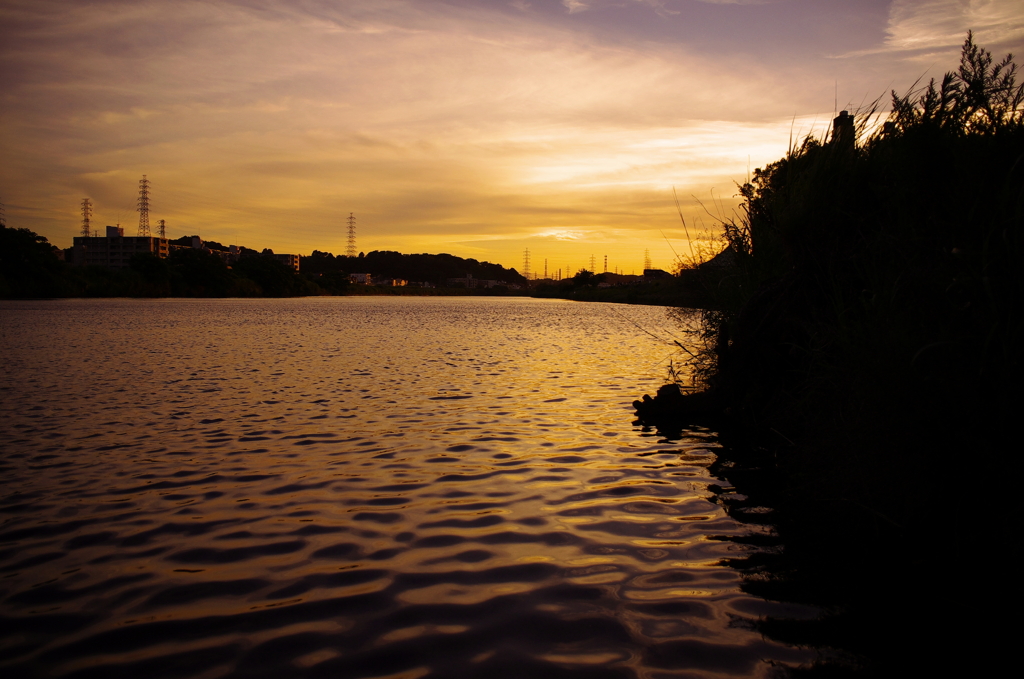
x,y
351,249
144,207
86,217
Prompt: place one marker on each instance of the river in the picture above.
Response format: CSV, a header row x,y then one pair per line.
x,y
394,487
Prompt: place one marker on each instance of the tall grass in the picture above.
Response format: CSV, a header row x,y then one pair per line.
x,y
897,253
874,325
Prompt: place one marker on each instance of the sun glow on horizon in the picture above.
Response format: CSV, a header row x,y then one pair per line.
x,y
477,129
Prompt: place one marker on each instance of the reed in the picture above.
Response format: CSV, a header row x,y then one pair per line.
x,y
872,328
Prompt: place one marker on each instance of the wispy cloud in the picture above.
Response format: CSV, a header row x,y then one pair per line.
x,y
659,6
930,24
464,126
927,26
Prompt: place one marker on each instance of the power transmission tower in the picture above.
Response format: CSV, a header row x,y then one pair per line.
x,y
163,229
545,268
86,217
351,250
144,207
526,264
593,269
647,259
606,263
3,217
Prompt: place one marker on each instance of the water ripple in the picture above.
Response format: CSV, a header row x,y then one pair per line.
x,y
355,488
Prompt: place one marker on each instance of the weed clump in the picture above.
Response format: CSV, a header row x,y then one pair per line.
x,y
871,332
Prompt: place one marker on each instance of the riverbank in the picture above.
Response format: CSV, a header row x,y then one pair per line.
x,y
689,292
32,268
863,363
403,291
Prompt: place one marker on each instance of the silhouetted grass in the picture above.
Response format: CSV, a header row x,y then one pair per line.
x,y
870,335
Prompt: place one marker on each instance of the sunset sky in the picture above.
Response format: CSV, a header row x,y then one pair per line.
x,y
475,127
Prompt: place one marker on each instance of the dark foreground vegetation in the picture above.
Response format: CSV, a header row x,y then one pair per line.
x,y
864,364
30,268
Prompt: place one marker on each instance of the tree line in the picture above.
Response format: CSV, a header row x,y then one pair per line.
x,y
30,267
418,268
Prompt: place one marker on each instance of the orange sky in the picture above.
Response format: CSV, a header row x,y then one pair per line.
x,y
470,127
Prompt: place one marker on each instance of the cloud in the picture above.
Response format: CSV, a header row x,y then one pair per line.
x,y
575,6
942,23
439,124
658,6
562,234
927,26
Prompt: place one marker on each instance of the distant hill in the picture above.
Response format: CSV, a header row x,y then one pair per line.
x,y
436,269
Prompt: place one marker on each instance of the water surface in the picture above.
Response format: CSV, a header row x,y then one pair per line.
x,y
356,487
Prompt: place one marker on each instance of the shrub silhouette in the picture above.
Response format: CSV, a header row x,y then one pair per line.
x,y
872,331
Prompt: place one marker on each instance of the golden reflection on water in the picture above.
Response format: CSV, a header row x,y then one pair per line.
x,y
355,487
